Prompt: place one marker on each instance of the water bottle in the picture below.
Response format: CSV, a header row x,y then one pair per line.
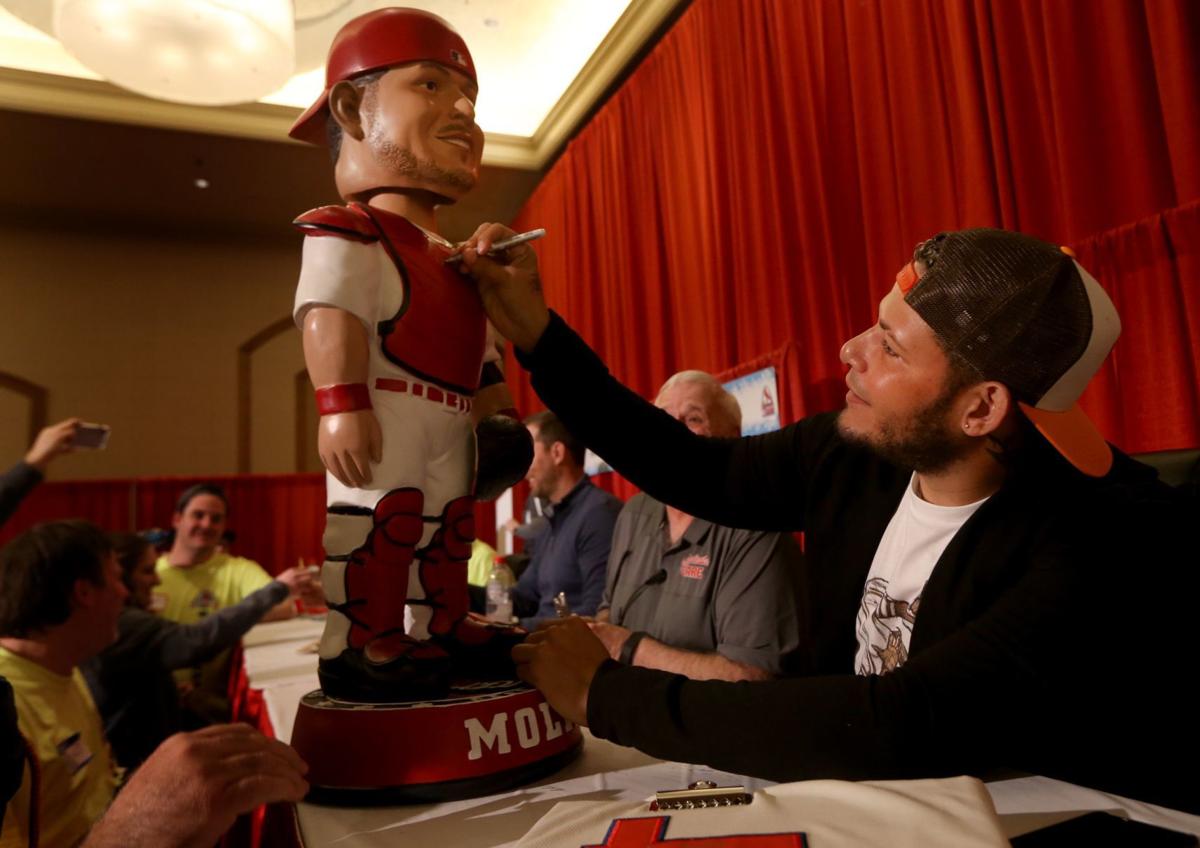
x,y
499,592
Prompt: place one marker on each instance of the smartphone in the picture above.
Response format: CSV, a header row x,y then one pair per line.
x,y
1101,830
91,436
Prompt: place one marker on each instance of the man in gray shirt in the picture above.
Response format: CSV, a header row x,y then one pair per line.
x,y
692,597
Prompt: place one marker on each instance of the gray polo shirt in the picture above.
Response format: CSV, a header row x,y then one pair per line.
x,y
736,592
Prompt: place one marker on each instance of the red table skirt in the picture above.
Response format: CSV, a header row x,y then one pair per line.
x,y
272,825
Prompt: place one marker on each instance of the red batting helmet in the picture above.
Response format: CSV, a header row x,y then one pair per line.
x,y
382,39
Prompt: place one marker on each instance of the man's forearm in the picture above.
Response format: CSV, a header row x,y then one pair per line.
x,y
283,610
183,645
15,484
695,665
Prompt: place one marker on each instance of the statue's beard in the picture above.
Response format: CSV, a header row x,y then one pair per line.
x,y
424,173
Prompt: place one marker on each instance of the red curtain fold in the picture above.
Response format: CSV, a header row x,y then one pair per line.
x,y
1147,395
278,519
770,164
106,503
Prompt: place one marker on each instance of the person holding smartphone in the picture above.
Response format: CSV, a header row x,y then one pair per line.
x,y
19,481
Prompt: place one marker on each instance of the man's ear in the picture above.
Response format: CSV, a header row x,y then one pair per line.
x,y
988,406
83,593
558,452
175,519
345,105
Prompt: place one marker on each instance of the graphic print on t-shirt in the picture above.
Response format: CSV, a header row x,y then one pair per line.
x,y
912,544
884,627
205,602
74,752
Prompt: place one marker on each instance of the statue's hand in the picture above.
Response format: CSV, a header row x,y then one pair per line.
x,y
348,443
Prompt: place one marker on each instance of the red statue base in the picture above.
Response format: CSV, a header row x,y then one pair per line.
x,y
480,739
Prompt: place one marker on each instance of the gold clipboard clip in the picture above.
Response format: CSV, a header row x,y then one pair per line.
x,y
699,795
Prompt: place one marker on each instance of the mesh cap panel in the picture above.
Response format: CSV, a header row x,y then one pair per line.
x,y
1012,306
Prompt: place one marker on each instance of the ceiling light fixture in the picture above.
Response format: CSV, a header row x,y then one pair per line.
x,y
207,52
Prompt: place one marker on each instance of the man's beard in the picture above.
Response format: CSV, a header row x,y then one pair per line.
x,y
539,488
402,162
924,442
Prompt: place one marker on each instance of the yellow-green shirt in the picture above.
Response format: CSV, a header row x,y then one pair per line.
x,y
57,716
479,566
192,592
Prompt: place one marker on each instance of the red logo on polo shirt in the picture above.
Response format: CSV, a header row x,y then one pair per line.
x,y
693,566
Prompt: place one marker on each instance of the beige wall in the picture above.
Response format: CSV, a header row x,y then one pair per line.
x,y
141,332
126,291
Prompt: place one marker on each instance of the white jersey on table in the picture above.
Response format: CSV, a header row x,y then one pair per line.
x,y
952,812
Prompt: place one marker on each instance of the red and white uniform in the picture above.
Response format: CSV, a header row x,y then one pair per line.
x,y
427,334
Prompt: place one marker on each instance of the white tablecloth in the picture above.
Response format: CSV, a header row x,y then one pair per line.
x,y
602,772
1028,803
278,663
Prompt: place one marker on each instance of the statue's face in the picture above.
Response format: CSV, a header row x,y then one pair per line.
x,y
419,125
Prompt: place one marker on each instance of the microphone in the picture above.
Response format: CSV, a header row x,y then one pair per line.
x,y
654,579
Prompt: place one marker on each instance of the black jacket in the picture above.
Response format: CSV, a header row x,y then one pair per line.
x,y
15,484
1050,636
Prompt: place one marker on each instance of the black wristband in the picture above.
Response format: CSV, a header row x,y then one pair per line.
x,y
631,645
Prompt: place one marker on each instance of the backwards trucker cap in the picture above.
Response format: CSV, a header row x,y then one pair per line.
x,y
378,40
1026,314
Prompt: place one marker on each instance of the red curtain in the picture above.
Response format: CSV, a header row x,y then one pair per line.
x,y
106,503
1148,393
278,519
771,163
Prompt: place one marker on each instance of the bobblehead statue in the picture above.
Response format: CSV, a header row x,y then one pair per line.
x,y
418,698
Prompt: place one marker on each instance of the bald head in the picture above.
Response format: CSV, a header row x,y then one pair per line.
x,y
701,403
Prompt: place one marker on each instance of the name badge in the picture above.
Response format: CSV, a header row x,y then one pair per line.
x,y
74,752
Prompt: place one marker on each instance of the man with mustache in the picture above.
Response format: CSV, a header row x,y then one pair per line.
x,y
990,583
395,341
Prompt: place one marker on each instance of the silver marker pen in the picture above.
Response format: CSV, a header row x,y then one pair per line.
x,y
504,244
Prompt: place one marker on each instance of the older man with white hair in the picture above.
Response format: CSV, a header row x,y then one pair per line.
x,y
692,597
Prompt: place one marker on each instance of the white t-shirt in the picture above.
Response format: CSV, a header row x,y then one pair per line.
x,y
907,553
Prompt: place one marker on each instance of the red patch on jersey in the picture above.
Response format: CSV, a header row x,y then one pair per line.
x,y
651,832
693,567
